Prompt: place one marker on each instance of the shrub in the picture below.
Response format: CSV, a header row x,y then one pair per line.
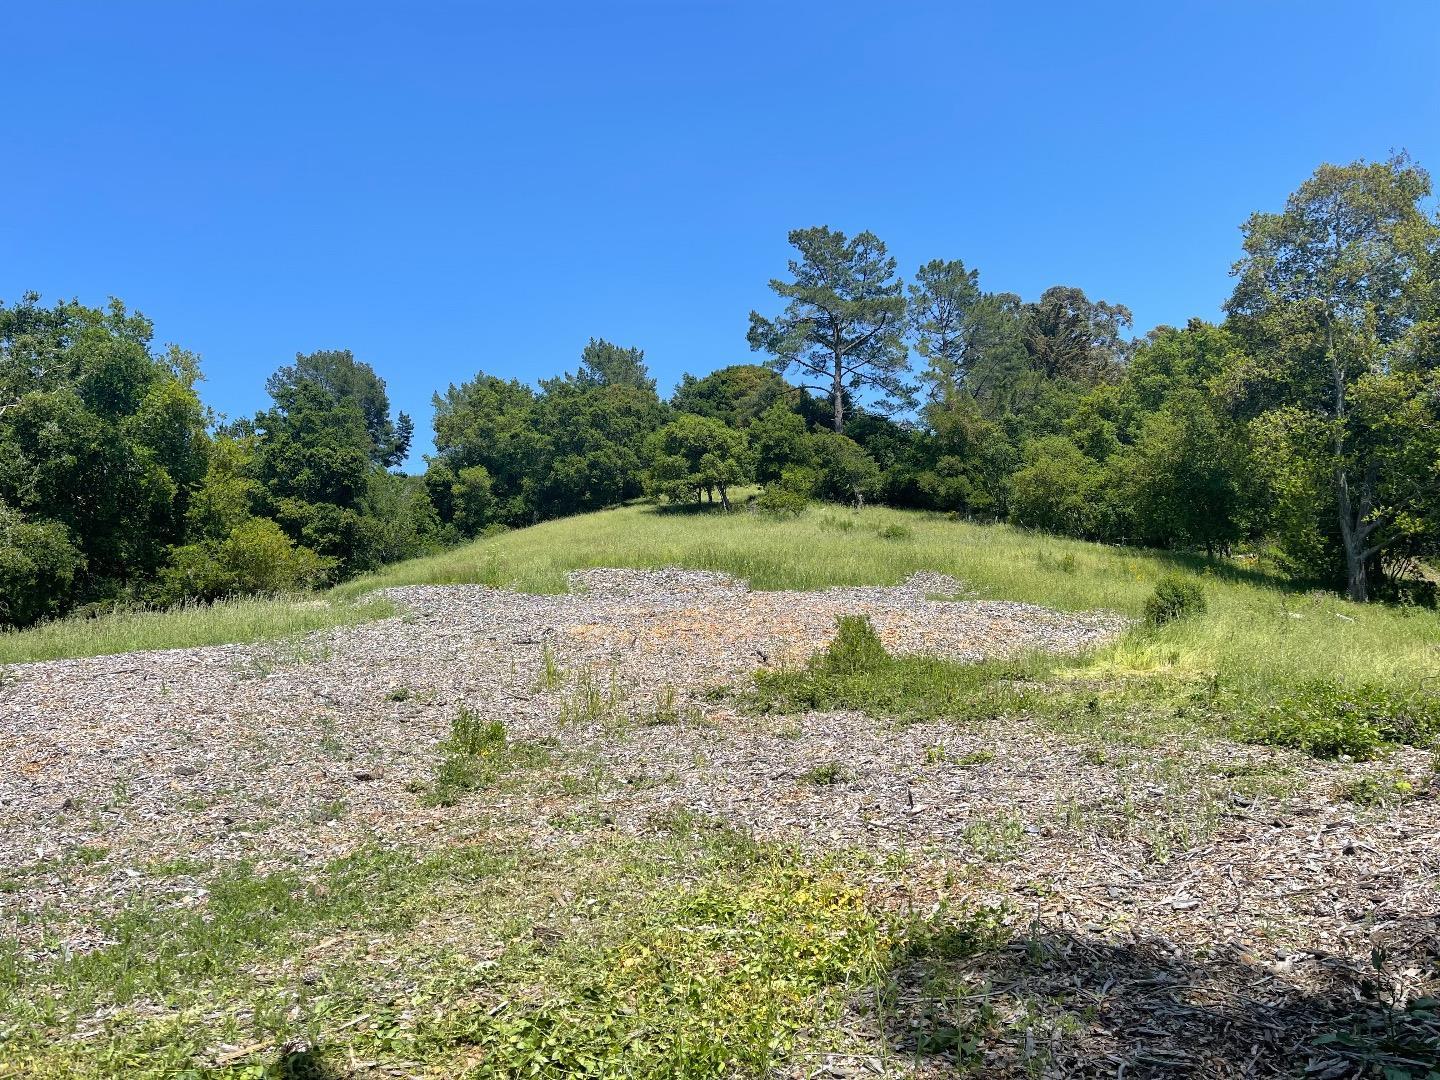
x,y
257,557
856,649
788,496
895,531
38,564
1174,597
1328,720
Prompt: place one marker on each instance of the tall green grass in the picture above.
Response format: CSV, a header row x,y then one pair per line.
x,y
1261,632
224,622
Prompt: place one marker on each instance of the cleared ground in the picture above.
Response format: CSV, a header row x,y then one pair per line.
x,y
509,834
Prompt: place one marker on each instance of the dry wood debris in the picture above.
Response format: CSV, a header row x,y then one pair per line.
x,y
1201,924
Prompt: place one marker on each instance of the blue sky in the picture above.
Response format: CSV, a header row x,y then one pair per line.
x,y
447,187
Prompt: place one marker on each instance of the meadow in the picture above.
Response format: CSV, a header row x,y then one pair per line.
x,y
1261,633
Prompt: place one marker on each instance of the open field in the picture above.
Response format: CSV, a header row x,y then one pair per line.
x,y
644,822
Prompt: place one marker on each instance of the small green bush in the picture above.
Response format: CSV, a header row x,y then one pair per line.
x,y
896,531
789,495
1174,597
856,649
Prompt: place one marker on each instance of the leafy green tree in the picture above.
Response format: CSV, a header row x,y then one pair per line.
x,y
38,565
1186,477
1058,488
966,459
739,393
488,423
845,473
1336,300
321,453
336,374
593,453
101,435
692,455
779,441
844,320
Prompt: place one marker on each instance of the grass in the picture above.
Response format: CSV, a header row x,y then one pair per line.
x,y
1261,634
695,952
1260,630
221,623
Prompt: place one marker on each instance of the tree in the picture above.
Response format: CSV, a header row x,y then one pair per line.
x,y
593,426
1070,336
604,364
1336,296
738,394
489,423
845,473
778,441
342,378
843,322
943,300
101,435
692,455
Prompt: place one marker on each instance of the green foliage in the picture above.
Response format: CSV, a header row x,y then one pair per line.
x,y
1331,719
844,318
100,439
695,455
476,755
1175,597
38,564
844,472
856,649
855,672
787,496
256,557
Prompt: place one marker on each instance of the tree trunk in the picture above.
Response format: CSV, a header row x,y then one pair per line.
x,y
724,499
837,390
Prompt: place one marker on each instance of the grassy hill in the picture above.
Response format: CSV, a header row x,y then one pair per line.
x,y
1261,633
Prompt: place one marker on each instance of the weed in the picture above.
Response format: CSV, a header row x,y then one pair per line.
x,y
551,676
399,693
893,530
997,839
1392,790
826,774
476,755
975,757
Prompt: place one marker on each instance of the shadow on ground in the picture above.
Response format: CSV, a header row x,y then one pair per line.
x,y
1060,1004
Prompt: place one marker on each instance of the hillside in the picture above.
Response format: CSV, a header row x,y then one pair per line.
x,y
627,816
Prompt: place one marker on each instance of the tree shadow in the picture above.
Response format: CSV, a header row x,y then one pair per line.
x,y
1055,1003
305,1064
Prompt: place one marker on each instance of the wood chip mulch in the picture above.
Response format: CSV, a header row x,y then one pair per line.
x,y
1164,923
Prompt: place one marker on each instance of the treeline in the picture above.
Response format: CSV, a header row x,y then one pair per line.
x,y
1306,424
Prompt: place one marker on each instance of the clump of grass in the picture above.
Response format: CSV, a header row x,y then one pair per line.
x,y
1393,790
593,701
855,672
893,530
551,675
1175,597
826,774
997,839
399,693
476,755
975,757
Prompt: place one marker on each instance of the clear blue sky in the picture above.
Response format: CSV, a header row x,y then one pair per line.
x,y
448,187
